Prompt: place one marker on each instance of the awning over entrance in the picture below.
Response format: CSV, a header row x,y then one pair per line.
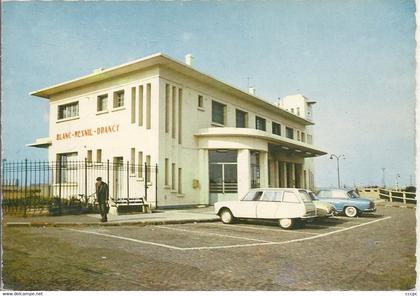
x,y
238,138
41,143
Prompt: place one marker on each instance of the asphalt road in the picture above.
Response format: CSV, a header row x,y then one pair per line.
x,y
375,252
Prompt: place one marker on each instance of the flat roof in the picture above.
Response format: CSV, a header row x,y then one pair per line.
x,y
171,63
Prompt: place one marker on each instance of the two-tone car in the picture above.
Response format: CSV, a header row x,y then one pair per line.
x,y
347,201
288,206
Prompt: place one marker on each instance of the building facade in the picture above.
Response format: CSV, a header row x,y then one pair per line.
x,y
209,140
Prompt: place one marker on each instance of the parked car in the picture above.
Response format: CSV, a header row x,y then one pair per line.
x,y
323,209
347,201
287,205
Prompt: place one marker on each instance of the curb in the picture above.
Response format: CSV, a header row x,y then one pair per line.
x,y
85,224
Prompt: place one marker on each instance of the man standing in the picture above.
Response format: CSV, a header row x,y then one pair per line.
x,y
102,194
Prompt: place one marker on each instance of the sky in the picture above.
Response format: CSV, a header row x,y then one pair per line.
x,y
355,58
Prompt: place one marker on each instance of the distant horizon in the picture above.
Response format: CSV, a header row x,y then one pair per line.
x,y
356,59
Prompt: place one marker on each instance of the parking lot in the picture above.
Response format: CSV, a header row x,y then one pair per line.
x,y
375,252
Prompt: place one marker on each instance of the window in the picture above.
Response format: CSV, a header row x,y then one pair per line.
x,y
255,169
68,110
289,133
89,157
241,118
173,111
179,115
309,139
140,162
66,168
173,176
167,101
148,105
119,99
148,164
99,155
141,90
290,197
259,123
133,105
305,196
298,111
272,196
302,137
298,135
223,171
179,181
102,103
292,110
200,101
253,196
166,171
276,128
324,194
133,161
218,111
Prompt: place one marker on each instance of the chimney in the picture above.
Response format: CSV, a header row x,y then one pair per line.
x,y
251,90
188,59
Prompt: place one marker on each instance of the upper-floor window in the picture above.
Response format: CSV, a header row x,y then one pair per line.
x,y
200,101
309,139
102,103
298,111
292,110
302,137
289,132
68,110
241,118
118,99
260,123
276,128
218,113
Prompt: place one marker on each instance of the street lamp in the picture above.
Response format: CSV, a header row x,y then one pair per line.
x,y
338,166
396,180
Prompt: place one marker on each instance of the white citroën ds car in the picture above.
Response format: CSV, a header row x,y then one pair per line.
x,y
287,205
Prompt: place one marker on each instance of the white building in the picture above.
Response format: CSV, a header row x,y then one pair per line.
x,y
210,140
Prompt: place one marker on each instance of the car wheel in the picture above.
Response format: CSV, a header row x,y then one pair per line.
x,y
226,216
286,223
350,212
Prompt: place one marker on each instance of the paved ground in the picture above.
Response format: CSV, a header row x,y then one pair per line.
x,y
205,214
368,253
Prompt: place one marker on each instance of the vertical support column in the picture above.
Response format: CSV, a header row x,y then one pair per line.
x,y
301,176
283,167
275,173
244,172
263,169
203,175
293,175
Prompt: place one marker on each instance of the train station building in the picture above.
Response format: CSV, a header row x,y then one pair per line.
x,y
209,140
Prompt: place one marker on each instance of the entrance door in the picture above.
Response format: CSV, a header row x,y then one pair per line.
x,y
117,177
223,175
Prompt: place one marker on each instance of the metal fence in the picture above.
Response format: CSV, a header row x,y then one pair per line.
x,y
69,186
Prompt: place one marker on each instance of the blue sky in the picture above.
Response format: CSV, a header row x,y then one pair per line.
x,y
355,58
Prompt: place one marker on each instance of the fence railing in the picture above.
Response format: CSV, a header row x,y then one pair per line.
x,y
30,185
399,196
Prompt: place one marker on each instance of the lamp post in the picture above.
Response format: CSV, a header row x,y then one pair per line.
x,y
338,166
396,180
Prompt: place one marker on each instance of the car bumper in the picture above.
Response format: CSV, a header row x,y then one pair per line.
x,y
369,210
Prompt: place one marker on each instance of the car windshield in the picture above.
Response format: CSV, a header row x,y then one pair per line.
x,y
305,196
353,194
